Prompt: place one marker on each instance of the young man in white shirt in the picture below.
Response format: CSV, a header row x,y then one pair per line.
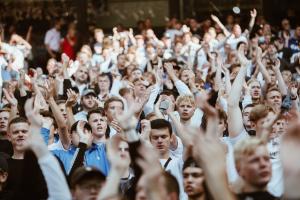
x,y
52,40
163,140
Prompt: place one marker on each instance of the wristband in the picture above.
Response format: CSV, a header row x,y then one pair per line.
x,y
294,98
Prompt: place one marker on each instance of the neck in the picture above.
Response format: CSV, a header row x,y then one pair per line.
x,y
185,122
164,155
198,197
18,155
98,139
126,173
3,136
251,188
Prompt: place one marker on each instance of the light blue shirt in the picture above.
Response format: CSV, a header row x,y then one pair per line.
x,y
95,156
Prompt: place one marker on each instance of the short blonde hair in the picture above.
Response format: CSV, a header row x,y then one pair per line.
x,y
185,98
246,147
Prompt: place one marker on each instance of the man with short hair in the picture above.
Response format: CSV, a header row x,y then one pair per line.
x,y
88,103
274,99
98,122
193,180
18,132
161,139
52,40
86,183
113,107
254,167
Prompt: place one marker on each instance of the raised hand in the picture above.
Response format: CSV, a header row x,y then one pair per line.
x,y
214,18
72,98
253,13
85,136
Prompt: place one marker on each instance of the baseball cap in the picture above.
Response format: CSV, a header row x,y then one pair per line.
x,y
86,173
88,91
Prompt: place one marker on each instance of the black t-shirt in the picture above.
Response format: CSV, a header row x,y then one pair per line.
x,y
256,196
6,147
25,178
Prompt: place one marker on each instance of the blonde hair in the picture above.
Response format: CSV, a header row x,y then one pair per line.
x,y
246,147
185,98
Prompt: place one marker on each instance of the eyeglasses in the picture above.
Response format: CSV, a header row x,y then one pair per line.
x,y
90,185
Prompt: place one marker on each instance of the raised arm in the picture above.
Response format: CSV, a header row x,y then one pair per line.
x,y
261,66
206,147
253,14
235,121
59,118
281,84
71,101
56,182
224,29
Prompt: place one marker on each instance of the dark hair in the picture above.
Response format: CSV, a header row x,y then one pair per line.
x,y
18,120
86,126
191,162
171,183
101,112
110,78
161,124
112,99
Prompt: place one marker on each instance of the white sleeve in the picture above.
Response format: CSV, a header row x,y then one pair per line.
x,y
150,103
178,152
115,88
182,88
47,38
241,136
56,182
246,101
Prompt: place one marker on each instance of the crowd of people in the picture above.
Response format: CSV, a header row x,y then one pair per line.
x,y
207,111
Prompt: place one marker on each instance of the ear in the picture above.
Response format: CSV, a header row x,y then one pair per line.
x,y
3,177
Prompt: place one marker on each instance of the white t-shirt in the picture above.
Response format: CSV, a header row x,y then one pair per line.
x,y
52,39
275,186
175,168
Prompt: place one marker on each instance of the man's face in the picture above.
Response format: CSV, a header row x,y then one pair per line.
x,y
279,128
103,82
115,108
141,189
4,116
82,75
285,24
287,76
62,108
256,168
98,124
160,139
274,99
185,76
87,189
246,114
88,101
186,110
121,61
255,90
51,66
123,151
136,74
18,134
237,30
193,179
272,76
139,88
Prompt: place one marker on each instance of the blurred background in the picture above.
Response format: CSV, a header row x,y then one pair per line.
x,y
19,15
